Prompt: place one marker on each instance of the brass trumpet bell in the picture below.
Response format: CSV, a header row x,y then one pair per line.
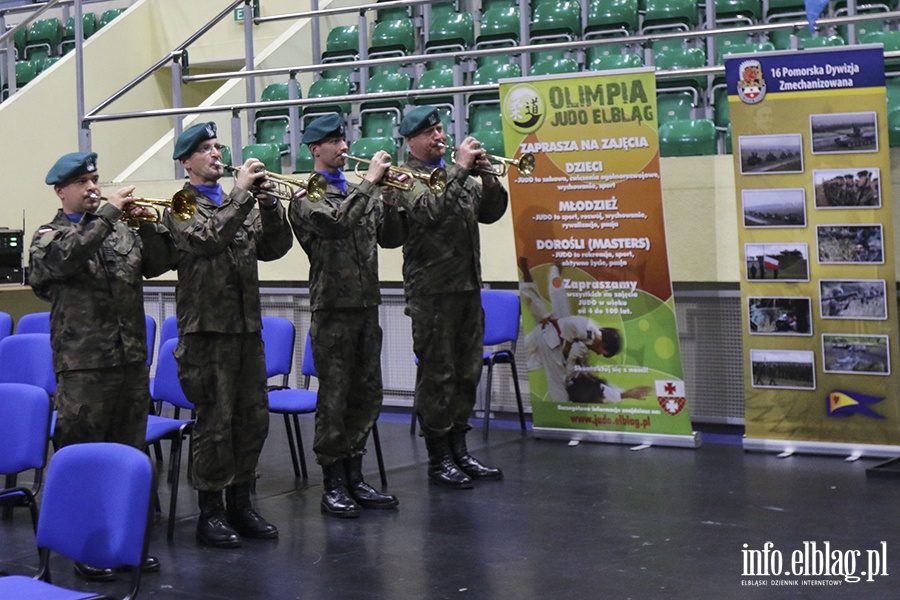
x,y
183,205
524,164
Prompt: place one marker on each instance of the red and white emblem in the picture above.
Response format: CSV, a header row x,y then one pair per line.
x,y
670,395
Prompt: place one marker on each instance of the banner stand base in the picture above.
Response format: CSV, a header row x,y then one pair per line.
x,y
851,451
889,468
619,437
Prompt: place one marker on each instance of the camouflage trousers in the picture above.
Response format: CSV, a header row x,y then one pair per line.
x,y
224,376
448,335
347,352
103,405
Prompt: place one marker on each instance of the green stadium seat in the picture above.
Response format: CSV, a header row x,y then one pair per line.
x,y
380,123
392,38
491,140
380,118
554,66
607,62
26,70
785,10
19,41
725,41
44,36
669,15
397,13
748,48
484,117
552,18
326,88
344,39
272,124
499,26
226,160
728,141
88,24
738,10
863,28
108,16
45,63
605,17
595,52
674,106
387,82
674,59
366,147
493,73
894,127
453,31
305,162
269,154
435,79
487,5
691,137
824,41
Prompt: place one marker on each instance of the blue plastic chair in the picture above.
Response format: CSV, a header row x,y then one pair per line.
x,y
28,358
278,336
168,331
151,338
95,509
24,435
34,323
167,388
501,326
6,325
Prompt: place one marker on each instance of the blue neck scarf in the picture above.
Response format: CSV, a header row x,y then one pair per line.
x,y
74,217
435,165
213,192
336,179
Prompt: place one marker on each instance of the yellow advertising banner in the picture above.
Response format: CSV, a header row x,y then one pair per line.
x,y
818,289
602,344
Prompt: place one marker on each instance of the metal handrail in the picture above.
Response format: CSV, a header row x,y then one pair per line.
x,y
27,20
362,8
174,55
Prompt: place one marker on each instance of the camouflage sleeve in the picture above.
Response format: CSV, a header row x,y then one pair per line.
x,y
392,230
209,235
57,254
426,208
494,200
275,238
330,221
158,254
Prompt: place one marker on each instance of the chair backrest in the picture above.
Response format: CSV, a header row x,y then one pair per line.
x,y
166,386
38,322
151,337
6,324
28,358
308,368
24,427
367,147
343,39
169,329
501,316
268,154
96,504
278,340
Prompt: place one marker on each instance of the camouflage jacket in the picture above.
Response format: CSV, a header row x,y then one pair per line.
x,y
218,250
442,252
339,234
91,274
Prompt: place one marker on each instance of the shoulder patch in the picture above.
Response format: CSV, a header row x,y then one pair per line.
x,y
301,193
44,230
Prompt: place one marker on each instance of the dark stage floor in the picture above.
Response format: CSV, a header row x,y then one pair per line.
x,y
580,522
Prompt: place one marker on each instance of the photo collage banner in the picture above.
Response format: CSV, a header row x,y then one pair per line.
x,y
818,290
598,314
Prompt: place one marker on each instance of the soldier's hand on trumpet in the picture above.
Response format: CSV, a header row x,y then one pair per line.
x,y
474,157
123,199
381,160
251,177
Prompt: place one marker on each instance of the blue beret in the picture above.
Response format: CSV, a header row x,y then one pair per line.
x,y
192,137
421,117
324,127
71,165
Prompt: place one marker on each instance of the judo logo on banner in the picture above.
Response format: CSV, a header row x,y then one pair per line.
x,y
525,108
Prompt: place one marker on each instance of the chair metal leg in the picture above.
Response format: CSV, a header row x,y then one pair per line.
x,y
303,470
290,438
412,421
515,374
378,455
487,398
177,444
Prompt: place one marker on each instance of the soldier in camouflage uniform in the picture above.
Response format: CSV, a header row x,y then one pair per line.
x,y
89,265
442,280
339,234
220,357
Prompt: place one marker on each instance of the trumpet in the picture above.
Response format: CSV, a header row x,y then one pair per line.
x,y
436,180
524,164
284,186
183,206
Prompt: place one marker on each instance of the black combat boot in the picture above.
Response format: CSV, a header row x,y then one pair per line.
x,y
441,468
242,517
364,494
336,499
466,461
213,528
